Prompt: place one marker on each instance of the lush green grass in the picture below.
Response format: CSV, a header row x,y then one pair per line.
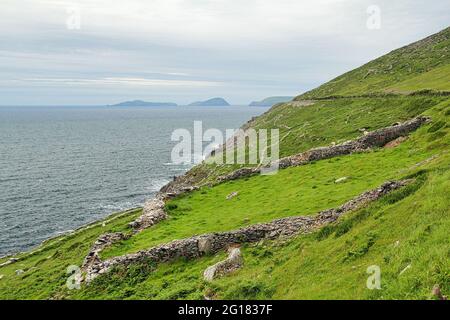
x,y
405,233
45,268
436,79
303,128
301,190
406,228
279,271
391,69
325,122
409,227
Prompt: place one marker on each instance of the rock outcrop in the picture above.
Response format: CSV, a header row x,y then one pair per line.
x,y
230,264
198,246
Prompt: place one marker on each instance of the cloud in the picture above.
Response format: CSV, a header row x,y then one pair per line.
x,y
196,48
122,81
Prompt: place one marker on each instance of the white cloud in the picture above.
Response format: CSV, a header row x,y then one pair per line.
x,y
234,48
121,81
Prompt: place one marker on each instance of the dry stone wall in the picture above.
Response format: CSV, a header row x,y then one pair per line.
x,y
198,246
154,212
371,140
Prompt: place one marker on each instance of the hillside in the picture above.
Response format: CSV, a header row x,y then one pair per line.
x,y
423,65
334,216
270,101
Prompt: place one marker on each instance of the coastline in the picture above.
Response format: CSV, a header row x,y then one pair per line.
x,y
62,236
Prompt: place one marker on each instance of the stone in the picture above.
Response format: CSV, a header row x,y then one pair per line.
x,y
436,292
232,263
243,172
9,261
232,195
19,272
340,180
1,276
104,241
205,245
154,212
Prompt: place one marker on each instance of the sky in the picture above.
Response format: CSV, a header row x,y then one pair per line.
x,y
98,52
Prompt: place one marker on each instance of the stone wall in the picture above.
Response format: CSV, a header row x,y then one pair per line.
x,y
104,241
154,209
198,246
153,213
371,140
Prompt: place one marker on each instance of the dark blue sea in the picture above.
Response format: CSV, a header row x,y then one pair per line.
x,y
63,167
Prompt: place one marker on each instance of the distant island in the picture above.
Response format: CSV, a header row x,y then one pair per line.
x,y
211,102
140,103
268,102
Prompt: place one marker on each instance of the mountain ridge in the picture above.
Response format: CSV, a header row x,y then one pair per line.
x,y
210,102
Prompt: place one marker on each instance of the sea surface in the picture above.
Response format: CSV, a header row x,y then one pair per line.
x,y
63,167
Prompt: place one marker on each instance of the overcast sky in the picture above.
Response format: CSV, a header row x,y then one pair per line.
x,y
186,50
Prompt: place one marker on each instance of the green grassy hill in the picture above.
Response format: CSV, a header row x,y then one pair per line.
x,y
426,60
404,233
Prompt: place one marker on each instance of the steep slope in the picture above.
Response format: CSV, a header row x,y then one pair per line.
x,y
424,60
404,233
270,101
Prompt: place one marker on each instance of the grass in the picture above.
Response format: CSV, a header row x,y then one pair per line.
x,y
307,267
45,269
325,122
393,68
301,190
404,233
329,265
406,228
436,79
400,230
336,121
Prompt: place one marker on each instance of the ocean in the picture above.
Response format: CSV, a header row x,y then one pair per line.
x,y
63,167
